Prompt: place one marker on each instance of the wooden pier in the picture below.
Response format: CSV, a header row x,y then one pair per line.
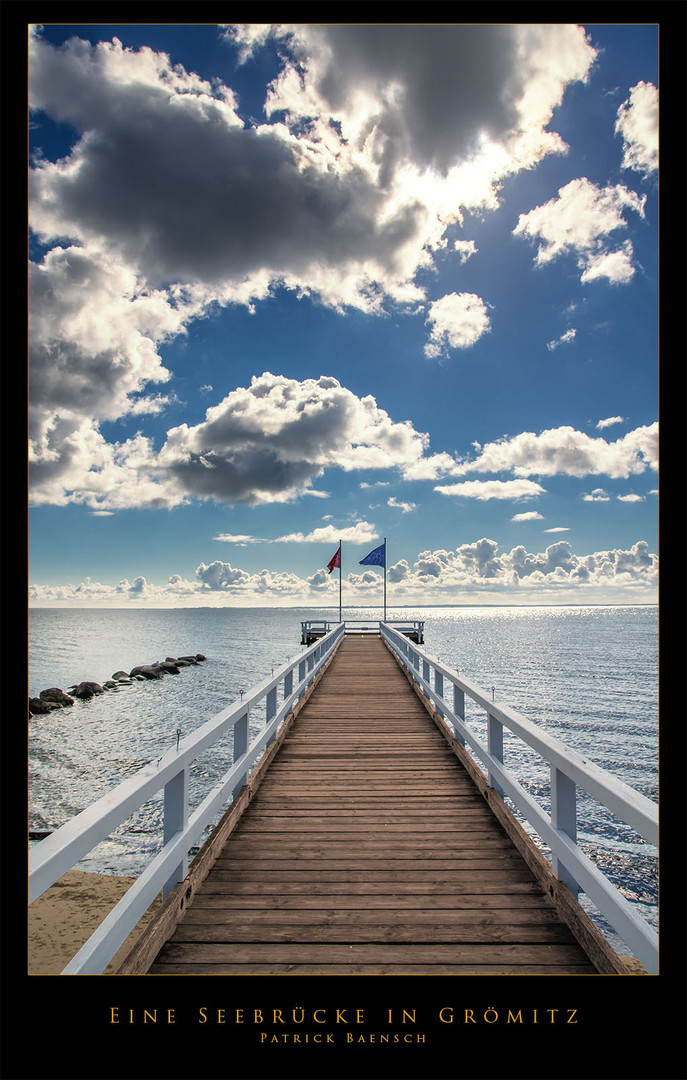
x,y
367,842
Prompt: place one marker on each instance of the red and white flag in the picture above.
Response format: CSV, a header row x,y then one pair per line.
x,y
334,561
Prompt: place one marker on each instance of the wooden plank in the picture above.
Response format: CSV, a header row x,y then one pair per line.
x,y
243,898
202,935
328,953
473,876
248,968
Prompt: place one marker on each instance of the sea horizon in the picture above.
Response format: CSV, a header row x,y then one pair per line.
x,y
323,607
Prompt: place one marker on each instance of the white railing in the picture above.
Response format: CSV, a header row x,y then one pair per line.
x,y
362,626
52,857
569,770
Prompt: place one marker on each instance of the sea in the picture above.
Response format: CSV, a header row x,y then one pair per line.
x,y
586,675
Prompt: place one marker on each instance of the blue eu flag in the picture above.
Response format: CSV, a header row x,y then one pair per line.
x,y
377,557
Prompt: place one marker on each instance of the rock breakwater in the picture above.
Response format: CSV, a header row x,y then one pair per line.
x,y
56,698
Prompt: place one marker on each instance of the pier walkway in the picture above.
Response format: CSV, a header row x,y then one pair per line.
x,y
367,847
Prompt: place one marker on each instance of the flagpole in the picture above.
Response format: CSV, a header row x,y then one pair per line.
x,y
340,554
385,579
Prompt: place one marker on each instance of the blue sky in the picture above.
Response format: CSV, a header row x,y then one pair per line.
x,y
303,283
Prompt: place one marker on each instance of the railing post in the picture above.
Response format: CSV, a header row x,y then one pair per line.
x,y
439,687
240,748
563,819
175,820
425,670
495,748
416,661
271,710
288,684
459,710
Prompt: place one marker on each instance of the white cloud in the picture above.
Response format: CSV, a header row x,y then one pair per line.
x,y
558,529
597,495
609,421
264,443
480,565
581,222
457,321
616,266
529,515
569,452
383,133
239,538
466,249
493,489
430,96
360,533
637,123
631,498
564,339
405,507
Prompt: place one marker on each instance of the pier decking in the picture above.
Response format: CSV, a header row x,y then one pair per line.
x,y
369,848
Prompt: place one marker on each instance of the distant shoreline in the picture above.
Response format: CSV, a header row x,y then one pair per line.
x,y
322,607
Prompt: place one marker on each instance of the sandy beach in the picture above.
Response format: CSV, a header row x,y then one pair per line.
x,y
63,918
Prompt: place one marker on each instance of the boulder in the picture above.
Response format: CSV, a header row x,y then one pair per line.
x,y
119,675
188,659
169,667
148,671
199,656
83,691
53,693
39,706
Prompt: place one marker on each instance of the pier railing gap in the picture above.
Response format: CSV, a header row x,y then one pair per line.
x,y
569,771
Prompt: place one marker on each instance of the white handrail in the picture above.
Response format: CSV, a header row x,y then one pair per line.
x,y
57,853
569,770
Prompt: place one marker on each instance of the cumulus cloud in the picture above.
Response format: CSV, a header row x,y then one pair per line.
x,y
238,201
269,441
456,321
222,577
493,489
637,124
481,564
567,451
597,495
264,443
609,421
529,515
425,94
581,222
472,569
326,197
